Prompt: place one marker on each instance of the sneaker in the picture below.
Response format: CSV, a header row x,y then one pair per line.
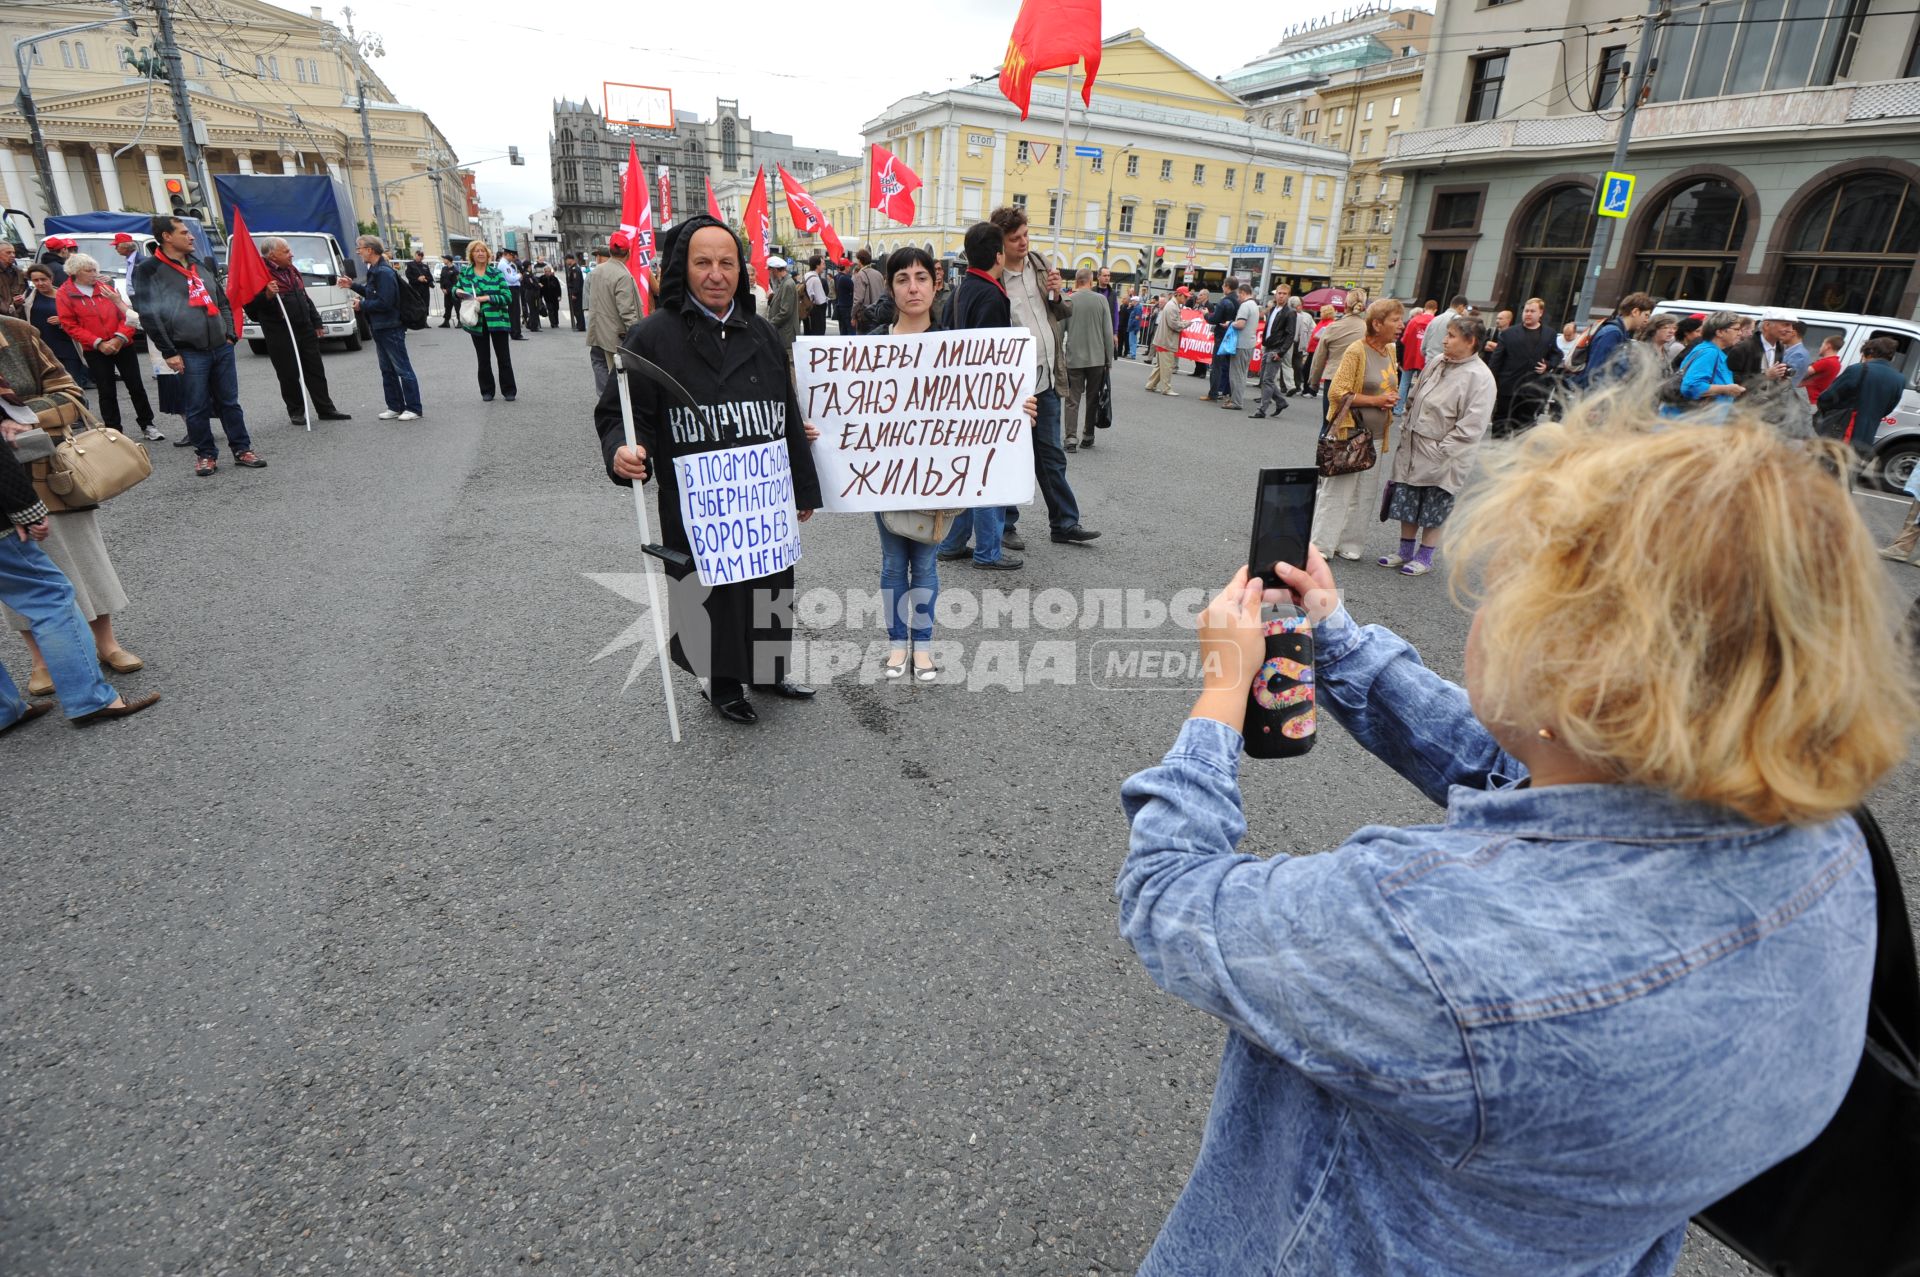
x,y
153,432
204,467
1173,394
1073,447
250,459
389,415
1013,540
408,416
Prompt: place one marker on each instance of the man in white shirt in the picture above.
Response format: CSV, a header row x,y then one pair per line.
x,y
820,293
129,249
1246,336
1436,335
1035,296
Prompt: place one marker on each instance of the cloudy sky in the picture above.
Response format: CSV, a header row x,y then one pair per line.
x,y
488,71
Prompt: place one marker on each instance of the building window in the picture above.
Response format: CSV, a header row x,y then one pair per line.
x,y
1443,274
1199,175
1455,211
1320,191
1368,113
1159,223
300,69
1366,140
1193,225
1020,201
1166,170
1313,116
1607,87
1852,248
1395,112
1307,138
1099,164
1133,166
1346,227
1253,233
199,67
1286,188
1222,228
1383,189
729,146
1259,183
1744,46
1550,252
80,55
1339,115
1316,236
66,54
33,55
1279,234
1483,98
1126,219
1021,155
273,66
1053,210
1231,175
259,67
1692,242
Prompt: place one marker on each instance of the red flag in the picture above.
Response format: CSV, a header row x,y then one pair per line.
x,y
807,217
1049,34
247,275
713,205
891,186
759,228
666,197
636,223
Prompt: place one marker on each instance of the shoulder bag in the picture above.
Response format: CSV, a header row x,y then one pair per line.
x,y
1350,455
1846,1204
470,312
929,527
94,463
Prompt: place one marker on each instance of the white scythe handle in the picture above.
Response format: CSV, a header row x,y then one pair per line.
x,y
646,564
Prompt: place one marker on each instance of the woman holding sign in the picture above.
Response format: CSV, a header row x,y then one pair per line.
x,y
714,410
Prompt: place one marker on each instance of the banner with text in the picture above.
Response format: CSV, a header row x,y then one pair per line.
x,y
1196,336
933,421
737,507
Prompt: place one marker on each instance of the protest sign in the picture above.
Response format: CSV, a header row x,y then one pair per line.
x,y
1196,336
737,507
931,421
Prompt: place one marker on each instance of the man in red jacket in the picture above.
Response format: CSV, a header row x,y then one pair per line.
x,y
1415,358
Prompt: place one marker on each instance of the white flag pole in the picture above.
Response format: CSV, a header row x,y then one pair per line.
x,y
299,368
1060,211
646,566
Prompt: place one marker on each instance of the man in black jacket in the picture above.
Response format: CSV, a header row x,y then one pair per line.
x,y
744,417
1219,318
185,313
980,301
449,276
419,278
576,293
290,323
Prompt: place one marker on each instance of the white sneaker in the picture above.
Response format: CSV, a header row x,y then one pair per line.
x,y
1173,394
408,416
153,433
388,415
1348,552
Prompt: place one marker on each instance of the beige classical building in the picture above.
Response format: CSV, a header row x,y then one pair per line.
x,y
274,91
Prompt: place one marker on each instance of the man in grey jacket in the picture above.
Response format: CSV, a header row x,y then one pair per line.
x,y
1089,356
783,303
613,306
869,286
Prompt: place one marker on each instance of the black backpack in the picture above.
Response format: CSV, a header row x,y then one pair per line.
x,y
412,307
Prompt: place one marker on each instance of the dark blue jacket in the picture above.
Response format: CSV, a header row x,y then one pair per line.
x,y
380,294
1868,392
981,303
1606,355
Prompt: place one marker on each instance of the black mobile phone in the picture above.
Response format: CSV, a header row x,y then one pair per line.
x,y
1282,520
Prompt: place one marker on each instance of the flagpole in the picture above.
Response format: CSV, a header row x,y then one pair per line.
x,y
1060,217
646,538
299,367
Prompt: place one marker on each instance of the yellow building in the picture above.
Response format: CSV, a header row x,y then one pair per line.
x,y
1164,162
273,90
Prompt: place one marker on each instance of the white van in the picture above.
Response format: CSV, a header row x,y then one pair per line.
x,y
1896,449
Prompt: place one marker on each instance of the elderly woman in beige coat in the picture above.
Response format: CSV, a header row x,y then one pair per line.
x,y
1449,410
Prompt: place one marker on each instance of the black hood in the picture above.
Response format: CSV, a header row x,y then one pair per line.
x,y
673,265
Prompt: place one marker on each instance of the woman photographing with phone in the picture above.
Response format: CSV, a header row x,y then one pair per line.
x,y
1628,969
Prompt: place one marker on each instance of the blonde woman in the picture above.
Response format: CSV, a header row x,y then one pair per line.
x,y
1629,970
481,279
1370,373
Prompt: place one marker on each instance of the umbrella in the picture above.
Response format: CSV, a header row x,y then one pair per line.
x,y
1334,297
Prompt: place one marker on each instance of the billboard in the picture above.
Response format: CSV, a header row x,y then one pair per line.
x,y
640,106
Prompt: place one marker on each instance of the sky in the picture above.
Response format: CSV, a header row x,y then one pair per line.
x,y
488,71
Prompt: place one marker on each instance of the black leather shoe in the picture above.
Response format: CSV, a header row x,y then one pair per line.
x,y
336,416
954,556
740,711
787,688
1013,541
1002,564
1073,534
186,442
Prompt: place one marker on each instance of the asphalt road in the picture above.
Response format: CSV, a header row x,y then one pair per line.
x,y
399,940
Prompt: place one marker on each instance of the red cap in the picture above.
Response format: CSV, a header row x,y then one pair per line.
x,y
121,237
620,239
59,241
1180,291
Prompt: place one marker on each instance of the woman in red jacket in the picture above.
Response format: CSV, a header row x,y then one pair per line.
x,y
94,316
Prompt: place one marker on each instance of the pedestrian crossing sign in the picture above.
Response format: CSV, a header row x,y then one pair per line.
x,y
1616,194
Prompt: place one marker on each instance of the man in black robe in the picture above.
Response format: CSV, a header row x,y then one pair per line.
x,y
733,365
576,293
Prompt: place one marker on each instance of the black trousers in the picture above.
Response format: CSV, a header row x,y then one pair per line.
x,y
513,315
497,340
447,309
124,366
280,349
576,306
530,302
553,311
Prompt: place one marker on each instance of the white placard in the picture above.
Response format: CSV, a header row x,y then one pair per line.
x,y
934,421
737,507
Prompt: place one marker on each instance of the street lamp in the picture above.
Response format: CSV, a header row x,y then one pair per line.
x,y
1107,224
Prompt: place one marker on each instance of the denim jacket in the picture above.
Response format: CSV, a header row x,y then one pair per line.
x,y
1531,1039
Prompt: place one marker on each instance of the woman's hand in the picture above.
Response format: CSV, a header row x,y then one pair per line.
x,y
630,463
813,431
805,515
1032,408
11,429
1311,588
1233,645
32,531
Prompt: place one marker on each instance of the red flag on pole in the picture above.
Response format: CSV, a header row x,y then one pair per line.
x,y
713,205
807,217
247,275
1049,34
891,186
636,223
666,197
759,228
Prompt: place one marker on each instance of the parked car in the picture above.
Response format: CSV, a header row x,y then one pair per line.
x,y
1896,450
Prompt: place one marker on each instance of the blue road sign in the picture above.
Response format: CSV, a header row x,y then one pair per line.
x,y
1616,194
1088,152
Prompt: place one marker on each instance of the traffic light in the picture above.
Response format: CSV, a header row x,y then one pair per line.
x,y
1159,261
514,157
176,194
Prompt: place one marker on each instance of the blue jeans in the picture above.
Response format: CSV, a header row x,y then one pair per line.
x,y
1133,340
210,383
1407,377
898,556
1217,384
1050,467
402,388
31,585
985,526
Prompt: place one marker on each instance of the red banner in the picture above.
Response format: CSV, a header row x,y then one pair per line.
x,y
636,223
246,270
1049,34
759,229
1196,336
713,205
892,186
807,217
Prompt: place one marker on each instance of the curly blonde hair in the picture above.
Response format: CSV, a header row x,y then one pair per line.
x,y
1693,608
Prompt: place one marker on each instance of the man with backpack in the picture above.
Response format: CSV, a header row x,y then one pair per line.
x,y
819,296
1606,351
869,286
380,297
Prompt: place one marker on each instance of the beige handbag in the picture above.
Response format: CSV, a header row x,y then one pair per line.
x,y
929,527
94,465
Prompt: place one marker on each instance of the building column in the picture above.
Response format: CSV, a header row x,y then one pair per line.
x,y
287,166
62,180
246,162
109,178
156,180
23,190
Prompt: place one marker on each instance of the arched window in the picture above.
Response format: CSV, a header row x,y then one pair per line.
x,y
1692,244
1286,122
729,146
1852,247
1550,252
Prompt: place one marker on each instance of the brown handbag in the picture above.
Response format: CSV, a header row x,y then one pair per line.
x,y
93,463
1349,455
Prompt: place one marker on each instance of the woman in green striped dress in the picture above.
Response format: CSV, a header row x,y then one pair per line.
x,y
481,279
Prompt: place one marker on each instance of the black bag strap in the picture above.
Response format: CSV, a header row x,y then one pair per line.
x,y
1894,1022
